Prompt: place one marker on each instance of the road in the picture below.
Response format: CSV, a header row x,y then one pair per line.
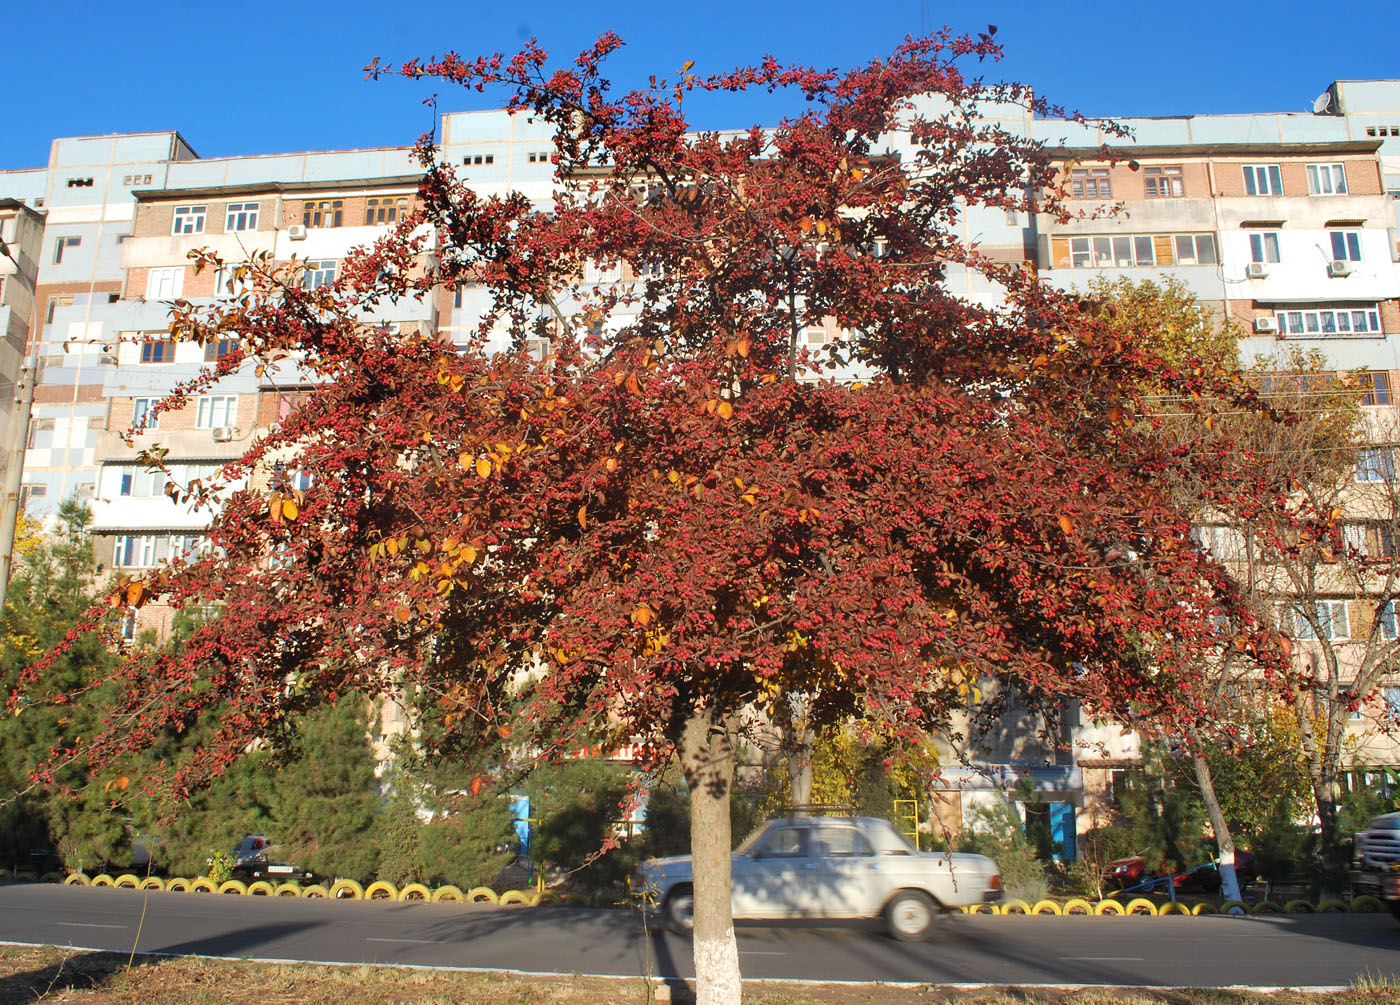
x,y
1306,951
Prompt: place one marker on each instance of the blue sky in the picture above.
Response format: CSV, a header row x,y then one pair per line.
x,y
259,77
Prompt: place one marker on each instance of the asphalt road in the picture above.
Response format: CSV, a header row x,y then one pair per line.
x,y
1321,951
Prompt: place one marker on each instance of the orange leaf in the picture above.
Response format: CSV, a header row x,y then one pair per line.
x,y
402,614
583,516
483,467
123,782
476,785
742,348
724,410
632,384
611,464
134,594
1066,525
504,731
642,615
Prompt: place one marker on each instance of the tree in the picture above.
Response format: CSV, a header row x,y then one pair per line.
x,y
664,528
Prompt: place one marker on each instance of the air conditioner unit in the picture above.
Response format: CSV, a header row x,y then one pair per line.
x,y
1341,267
1265,326
223,434
1256,270
297,232
106,359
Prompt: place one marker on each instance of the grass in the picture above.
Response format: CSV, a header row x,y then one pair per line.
x,y
87,978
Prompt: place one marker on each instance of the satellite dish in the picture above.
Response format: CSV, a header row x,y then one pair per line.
x,y
1323,102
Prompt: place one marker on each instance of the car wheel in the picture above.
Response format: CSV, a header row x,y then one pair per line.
x,y
910,915
680,910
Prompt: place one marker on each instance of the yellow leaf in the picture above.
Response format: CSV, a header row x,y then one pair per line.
x,y
685,67
468,554
611,464
483,467
642,615
742,348
749,498
290,511
673,476
724,410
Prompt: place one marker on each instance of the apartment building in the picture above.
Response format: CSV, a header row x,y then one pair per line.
x,y
1285,223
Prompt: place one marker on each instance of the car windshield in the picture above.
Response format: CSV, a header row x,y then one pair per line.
x,y
746,846
1389,822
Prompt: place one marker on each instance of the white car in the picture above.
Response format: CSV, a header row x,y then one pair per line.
x,y
832,867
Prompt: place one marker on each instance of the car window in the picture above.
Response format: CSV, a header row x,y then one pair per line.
x,y
786,842
842,841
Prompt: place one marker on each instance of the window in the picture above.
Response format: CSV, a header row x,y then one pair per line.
x,y
1222,543
833,839
146,550
1377,388
324,213
1390,698
1337,321
1375,464
595,273
787,842
1263,247
1163,182
62,245
232,281
143,414
40,434
165,284
216,410
136,179
388,209
318,274
188,220
1373,540
1263,179
1326,179
142,484
32,490
80,183
157,350
1346,245
1090,183
217,349
1331,617
1141,250
241,216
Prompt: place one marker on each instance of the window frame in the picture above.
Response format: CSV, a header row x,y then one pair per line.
x,y
1334,172
322,212
1374,466
1263,247
188,220
1314,322
319,273
1105,251
216,410
1270,174
217,349
1160,177
1346,245
1302,629
241,216
63,243
1082,180
150,356
142,410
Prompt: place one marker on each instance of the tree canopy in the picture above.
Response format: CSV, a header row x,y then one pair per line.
x,y
679,514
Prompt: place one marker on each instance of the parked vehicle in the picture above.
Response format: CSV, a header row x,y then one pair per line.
x,y
832,867
258,858
1376,861
1131,872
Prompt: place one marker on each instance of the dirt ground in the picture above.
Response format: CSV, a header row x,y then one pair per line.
x,y
56,975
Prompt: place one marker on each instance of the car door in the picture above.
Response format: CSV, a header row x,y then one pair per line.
x,y
775,879
847,879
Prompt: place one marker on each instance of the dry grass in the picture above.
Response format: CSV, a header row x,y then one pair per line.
x,y
56,975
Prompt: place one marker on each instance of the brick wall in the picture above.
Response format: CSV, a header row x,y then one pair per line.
x,y
120,414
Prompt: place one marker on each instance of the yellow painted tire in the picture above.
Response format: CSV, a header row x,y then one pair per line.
x,y
1366,905
76,879
1231,905
448,894
51,877
204,885
152,883
102,879
1266,907
1299,907
261,888
415,891
346,889
984,909
288,889
1331,906
1141,905
513,897
177,885
127,881
389,891
1204,908
1015,906
314,892
1108,907
234,886
1078,905
26,877
540,897
1173,907
482,895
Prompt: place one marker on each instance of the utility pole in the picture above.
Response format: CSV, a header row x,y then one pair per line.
x,y
14,471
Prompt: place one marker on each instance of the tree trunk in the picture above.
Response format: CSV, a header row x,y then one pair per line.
x,y
800,770
1229,881
707,758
